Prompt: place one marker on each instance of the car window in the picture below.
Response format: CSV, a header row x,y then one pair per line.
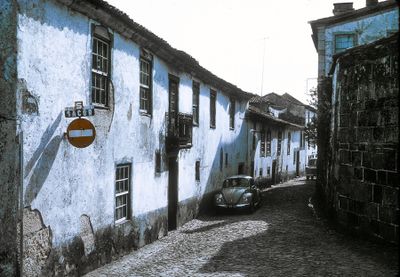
x,y
236,182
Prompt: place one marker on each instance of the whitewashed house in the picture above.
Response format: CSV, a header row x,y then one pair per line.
x,y
277,145
167,132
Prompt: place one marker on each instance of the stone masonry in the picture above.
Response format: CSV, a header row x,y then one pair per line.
x,y
364,163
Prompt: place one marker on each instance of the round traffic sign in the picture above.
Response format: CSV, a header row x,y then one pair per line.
x,y
81,133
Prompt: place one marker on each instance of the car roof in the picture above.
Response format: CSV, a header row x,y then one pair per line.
x,y
239,176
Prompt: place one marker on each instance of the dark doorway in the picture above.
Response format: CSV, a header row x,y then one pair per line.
x,y
297,153
172,192
241,168
274,172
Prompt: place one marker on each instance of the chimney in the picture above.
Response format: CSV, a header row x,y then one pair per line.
x,y
342,8
371,3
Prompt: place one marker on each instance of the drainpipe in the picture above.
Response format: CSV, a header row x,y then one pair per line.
x,y
21,204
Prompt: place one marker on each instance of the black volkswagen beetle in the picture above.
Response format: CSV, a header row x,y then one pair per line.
x,y
238,192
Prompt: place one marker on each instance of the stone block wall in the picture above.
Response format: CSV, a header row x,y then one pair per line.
x,y
365,166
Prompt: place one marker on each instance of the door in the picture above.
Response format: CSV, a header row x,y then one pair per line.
x,y
172,192
173,104
274,172
297,153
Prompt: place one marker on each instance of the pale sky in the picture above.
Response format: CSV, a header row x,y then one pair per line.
x,y
227,38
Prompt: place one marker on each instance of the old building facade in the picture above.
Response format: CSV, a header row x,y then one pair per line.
x,y
167,132
277,145
344,100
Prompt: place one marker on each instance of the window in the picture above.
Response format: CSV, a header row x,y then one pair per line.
x,y
226,159
268,170
232,114
289,140
213,100
344,41
158,161
254,135
197,168
261,172
279,147
262,144
146,65
185,122
221,159
122,194
100,66
196,95
268,146
241,168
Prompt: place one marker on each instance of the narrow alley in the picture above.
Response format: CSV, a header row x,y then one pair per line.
x,y
282,238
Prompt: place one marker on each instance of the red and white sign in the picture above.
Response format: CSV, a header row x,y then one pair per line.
x,y
81,133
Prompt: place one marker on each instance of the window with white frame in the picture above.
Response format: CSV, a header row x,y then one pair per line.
x,y
100,66
122,192
146,68
344,41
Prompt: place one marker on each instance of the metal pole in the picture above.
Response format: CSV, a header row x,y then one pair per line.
x,y
262,74
21,204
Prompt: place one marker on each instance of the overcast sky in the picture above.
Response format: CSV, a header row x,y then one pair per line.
x,y
227,37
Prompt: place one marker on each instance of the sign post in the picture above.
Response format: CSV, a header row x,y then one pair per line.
x,y
80,132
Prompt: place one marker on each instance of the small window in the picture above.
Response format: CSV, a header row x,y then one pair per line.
x,y
213,102
196,98
344,41
122,192
232,114
197,169
261,172
226,159
279,147
268,146
158,161
146,68
101,54
221,160
268,170
262,144
289,140
254,135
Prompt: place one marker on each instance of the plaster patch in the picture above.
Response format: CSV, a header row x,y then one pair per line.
x,y
87,235
36,243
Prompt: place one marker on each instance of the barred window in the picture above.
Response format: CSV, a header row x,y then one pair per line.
x,y
196,102
100,66
146,64
213,100
122,192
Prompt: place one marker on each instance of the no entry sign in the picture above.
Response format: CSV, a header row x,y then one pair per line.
x,y
81,133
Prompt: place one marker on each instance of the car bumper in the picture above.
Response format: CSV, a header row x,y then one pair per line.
x,y
236,206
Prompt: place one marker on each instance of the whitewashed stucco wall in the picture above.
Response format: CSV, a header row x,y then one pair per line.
x,y
367,29
63,182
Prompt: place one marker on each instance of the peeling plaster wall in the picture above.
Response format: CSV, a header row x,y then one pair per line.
x,y
367,29
73,189
9,159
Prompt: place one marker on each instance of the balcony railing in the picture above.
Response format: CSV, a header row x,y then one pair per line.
x,y
178,130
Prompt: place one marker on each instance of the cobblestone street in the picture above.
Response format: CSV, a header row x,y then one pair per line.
x,y
282,238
